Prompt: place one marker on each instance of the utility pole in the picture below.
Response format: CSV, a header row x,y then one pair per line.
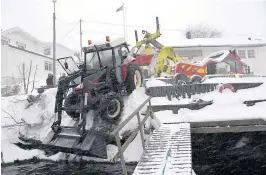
x,y
125,22
54,45
124,19
80,33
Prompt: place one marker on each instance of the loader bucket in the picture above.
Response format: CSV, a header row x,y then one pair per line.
x,y
68,140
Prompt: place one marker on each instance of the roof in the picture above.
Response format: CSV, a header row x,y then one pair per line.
x,y
58,45
30,37
219,42
19,30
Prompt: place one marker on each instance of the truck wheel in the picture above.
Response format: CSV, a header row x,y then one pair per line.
x,y
134,78
111,107
196,80
181,79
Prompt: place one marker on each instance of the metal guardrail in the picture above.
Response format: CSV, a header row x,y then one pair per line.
x,y
115,133
184,91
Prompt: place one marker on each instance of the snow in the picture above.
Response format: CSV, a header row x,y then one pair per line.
x,y
153,82
39,117
226,106
232,41
219,59
234,79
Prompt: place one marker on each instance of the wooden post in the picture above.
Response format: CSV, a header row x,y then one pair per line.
x,y
141,132
118,143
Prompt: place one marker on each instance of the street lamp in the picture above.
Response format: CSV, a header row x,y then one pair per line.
x,y
54,44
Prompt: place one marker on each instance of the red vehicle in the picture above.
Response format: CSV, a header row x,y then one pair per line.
x,y
222,62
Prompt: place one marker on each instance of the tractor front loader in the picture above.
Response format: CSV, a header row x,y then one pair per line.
x,y
97,85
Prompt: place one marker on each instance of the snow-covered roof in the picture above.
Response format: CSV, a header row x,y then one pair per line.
x,y
218,42
19,30
30,37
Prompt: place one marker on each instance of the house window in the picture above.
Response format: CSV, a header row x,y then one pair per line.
x,y
47,51
5,41
48,66
21,45
242,54
251,54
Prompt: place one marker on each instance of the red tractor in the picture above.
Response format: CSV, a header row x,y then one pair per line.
x,y
107,74
222,62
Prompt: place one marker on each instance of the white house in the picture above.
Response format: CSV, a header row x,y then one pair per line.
x,y
20,47
251,51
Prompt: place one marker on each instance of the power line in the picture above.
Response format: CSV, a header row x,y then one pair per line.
x,y
133,26
94,31
70,31
116,24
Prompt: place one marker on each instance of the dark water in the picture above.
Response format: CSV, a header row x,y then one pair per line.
x,y
65,168
219,154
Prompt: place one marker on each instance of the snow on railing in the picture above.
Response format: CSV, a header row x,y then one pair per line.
x,y
115,133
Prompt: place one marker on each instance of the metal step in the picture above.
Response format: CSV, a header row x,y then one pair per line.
x,y
163,151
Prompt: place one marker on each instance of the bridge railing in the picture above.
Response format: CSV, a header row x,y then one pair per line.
x,y
184,91
115,133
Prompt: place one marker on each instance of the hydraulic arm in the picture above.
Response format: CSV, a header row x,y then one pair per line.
x,y
166,55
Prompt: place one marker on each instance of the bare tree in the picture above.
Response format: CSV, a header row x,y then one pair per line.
x,y
202,31
23,76
28,81
33,83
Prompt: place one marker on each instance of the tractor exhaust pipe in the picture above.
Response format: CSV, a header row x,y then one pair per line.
x,y
136,36
157,23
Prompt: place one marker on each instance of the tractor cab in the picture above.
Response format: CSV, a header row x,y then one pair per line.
x,y
110,54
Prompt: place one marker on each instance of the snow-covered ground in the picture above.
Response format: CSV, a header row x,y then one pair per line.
x,y
236,79
39,117
226,106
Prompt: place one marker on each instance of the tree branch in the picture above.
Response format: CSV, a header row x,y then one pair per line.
x,y
33,83
10,116
29,77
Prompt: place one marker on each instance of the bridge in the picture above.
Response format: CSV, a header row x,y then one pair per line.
x,y
169,149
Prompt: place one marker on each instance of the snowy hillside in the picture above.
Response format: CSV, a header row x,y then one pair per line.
x,y
36,121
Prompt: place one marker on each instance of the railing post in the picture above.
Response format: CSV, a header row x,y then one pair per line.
x,y
141,132
123,163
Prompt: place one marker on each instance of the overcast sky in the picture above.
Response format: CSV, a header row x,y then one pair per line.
x,y
233,17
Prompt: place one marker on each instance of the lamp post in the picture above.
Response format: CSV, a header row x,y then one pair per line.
x,y
54,45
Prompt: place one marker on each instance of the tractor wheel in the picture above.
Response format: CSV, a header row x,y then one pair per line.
x,y
71,100
134,78
111,107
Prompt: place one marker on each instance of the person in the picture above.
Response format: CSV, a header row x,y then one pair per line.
x,y
62,76
49,80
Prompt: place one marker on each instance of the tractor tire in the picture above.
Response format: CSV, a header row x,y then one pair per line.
x,y
72,99
111,107
134,78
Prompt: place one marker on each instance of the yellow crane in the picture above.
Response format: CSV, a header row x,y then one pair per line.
x,y
166,55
